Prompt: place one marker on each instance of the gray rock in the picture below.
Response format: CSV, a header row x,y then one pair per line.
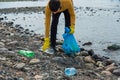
x,y
21,78
113,47
12,43
2,58
19,65
34,61
58,60
3,50
116,72
1,43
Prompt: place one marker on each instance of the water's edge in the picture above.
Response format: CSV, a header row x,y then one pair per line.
x,y
21,9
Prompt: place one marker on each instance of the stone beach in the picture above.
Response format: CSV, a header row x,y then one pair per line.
x,y
14,66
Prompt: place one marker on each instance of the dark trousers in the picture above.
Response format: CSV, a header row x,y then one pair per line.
x,y
55,19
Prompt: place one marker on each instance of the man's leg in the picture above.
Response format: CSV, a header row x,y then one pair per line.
x,y
67,18
55,19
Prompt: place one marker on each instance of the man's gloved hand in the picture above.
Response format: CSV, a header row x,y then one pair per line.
x,y
72,29
46,44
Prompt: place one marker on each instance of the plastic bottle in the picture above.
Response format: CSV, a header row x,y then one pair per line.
x,y
25,53
70,71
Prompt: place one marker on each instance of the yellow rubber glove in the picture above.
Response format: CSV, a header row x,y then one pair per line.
x,y
72,29
46,44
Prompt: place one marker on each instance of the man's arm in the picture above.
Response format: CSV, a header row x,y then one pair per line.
x,y
72,13
47,21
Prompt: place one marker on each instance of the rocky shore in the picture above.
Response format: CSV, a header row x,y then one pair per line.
x,y
14,66
21,9
42,66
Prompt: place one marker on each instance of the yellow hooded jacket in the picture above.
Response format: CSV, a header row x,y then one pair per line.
x,y
65,4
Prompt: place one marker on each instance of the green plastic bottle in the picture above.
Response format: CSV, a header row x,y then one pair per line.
x,y
29,54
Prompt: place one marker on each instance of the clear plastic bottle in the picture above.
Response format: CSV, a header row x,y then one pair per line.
x,y
70,71
25,53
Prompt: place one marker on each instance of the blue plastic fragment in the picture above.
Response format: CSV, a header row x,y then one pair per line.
x,y
70,71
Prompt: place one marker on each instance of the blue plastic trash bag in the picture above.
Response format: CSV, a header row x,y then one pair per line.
x,y
69,45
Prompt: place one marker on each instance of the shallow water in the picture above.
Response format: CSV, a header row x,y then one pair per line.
x,y
101,27
92,3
